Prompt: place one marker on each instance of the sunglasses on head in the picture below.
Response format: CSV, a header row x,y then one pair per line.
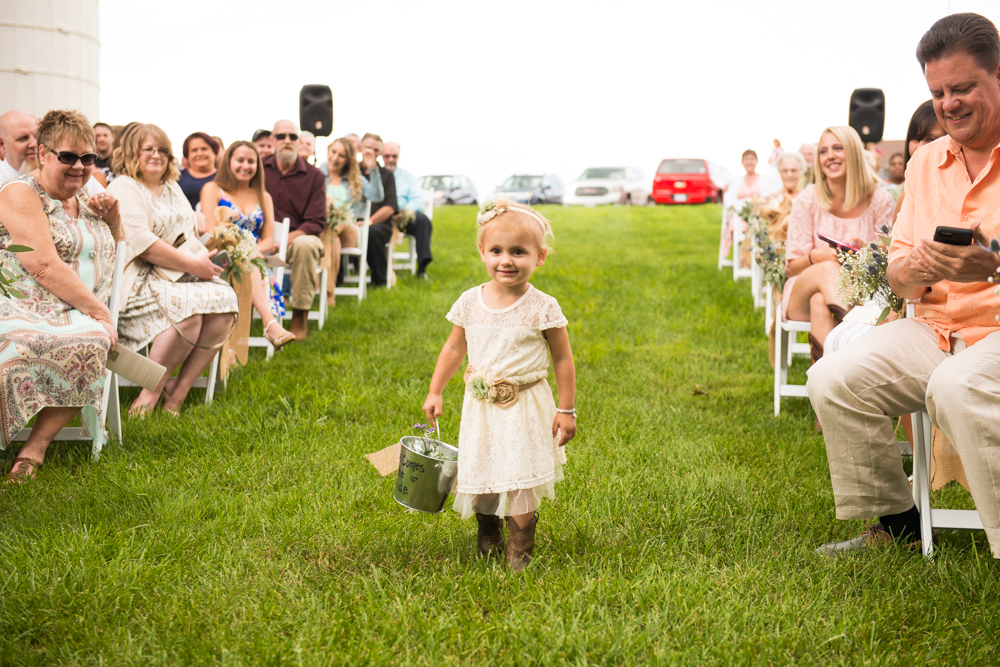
x,y
291,135
70,158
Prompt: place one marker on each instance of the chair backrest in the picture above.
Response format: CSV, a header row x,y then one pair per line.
x,y
281,237
363,231
116,282
429,204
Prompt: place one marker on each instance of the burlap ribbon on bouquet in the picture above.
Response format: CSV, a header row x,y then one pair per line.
x,y
239,342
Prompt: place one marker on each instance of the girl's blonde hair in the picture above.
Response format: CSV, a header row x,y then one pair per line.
x,y
861,179
351,171
125,159
502,211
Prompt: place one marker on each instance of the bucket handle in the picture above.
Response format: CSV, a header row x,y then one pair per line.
x,y
437,425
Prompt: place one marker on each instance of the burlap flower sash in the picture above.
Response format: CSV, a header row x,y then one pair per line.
x,y
501,392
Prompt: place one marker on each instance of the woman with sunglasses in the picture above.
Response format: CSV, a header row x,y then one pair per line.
x,y
56,331
184,320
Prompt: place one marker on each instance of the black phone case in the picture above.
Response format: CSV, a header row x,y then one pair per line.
x,y
953,235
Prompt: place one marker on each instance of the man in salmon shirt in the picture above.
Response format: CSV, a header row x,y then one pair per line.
x,y
948,357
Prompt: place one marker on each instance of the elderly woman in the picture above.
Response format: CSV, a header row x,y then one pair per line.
x,y
54,341
845,204
186,320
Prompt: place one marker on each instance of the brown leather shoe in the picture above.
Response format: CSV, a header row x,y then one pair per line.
x,y
520,543
838,313
300,324
490,538
815,349
874,537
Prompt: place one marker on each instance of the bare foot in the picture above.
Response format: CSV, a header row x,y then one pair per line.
x,y
172,404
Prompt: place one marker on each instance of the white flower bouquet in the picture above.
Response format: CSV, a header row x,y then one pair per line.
x,y
862,277
241,246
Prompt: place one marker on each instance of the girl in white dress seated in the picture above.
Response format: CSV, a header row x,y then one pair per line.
x,y
512,435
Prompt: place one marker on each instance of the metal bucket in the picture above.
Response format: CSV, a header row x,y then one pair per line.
x,y
423,483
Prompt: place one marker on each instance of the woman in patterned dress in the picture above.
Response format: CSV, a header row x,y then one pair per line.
x,y
186,321
54,341
239,186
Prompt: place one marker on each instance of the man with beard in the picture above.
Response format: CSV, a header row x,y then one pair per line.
x,y
410,196
17,135
298,192
104,137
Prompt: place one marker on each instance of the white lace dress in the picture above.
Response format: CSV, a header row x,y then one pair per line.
x,y
508,460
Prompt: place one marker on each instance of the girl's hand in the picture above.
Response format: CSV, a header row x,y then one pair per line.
x,y
432,407
564,425
106,206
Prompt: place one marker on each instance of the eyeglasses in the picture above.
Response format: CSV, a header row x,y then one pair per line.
x,y
164,153
291,135
70,158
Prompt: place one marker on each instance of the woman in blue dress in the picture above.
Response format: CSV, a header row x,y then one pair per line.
x,y
346,187
239,185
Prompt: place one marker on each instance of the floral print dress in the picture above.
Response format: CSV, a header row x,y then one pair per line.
x,y
508,460
52,355
254,223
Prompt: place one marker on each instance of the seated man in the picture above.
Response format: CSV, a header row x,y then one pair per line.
x,y
409,195
264,142
17,135
297,190
104,140
947,358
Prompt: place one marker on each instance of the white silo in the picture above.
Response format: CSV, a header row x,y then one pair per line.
x,y
49,56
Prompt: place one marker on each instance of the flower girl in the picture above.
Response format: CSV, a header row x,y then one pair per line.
x,y
512,435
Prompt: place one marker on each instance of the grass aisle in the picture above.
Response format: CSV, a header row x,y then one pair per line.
x,y
251,531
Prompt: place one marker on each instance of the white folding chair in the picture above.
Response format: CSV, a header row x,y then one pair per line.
x,y
401,261
723,257
768,309
429,204
931,518
110,402
738,270
757,284
362,277
785,348
318,316
281,238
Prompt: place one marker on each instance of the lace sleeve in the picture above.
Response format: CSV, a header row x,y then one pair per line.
x,y
552,316
801,226
457,314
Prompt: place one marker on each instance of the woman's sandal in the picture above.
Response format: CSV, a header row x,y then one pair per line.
x,y
281,341
23,471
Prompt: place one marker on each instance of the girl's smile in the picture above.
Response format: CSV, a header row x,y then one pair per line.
x,y
511,254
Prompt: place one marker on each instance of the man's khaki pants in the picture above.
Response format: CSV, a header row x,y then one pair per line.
x,y
895,370
304,255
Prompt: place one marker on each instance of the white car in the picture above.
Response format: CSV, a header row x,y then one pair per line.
x,y
608,185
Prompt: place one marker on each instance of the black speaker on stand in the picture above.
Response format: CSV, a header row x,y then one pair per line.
x,y
316,109
867,115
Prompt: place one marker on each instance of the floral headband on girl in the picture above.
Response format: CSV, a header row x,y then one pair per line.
x,y
491,208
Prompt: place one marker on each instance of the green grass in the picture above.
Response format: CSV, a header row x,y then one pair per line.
x,y
251,531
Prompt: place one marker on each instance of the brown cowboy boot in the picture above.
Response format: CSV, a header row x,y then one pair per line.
x,y
300,324
838,313
490,538
520,543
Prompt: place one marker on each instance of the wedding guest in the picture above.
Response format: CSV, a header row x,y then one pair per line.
x,y
897,169
380,231
845,204
808,152
776,152
356,140
346,187
742,189
264,142
239,186
200,151
409,195
297,190
55,342
17,134
307,146
105,139
945,358
186,321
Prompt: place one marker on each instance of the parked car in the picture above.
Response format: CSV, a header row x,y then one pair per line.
x,y
608,185
689,181
545,189
450,189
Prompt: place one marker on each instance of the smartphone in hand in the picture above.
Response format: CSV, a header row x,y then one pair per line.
x,y
834,243
953,235
221,259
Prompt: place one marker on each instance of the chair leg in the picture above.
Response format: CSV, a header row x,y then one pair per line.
x,y
324,276
779,362
213,373
922,479
389,274
114,410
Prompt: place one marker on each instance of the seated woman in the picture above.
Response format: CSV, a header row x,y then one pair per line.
x,y
201,153
742,189
346,187
186,321
55,340
239,185
845,204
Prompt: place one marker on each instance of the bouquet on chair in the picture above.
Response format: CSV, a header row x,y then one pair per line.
x,y
769,254
338,216
241,246
863,279
8,278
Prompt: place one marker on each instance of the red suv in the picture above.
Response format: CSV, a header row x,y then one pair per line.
x,y
684,182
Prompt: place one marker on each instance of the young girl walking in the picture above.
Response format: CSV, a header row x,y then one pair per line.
x,y
512,434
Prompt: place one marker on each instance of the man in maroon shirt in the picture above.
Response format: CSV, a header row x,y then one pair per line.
x,y
297,189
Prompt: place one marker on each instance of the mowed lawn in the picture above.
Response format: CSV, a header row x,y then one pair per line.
x,y
251,531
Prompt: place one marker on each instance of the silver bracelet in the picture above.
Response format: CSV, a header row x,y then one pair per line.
x,y
571,411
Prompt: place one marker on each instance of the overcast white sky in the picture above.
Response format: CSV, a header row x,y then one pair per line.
x,y
488,89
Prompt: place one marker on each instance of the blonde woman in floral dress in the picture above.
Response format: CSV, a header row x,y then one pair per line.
x,y
185,321
55,340
511,440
